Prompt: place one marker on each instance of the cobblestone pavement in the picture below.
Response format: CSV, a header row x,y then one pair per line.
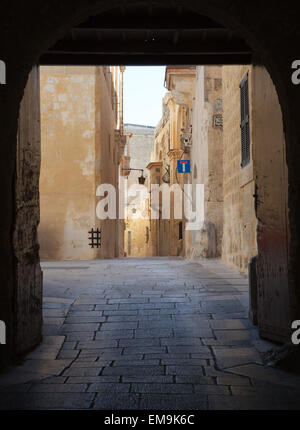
x,y
159,333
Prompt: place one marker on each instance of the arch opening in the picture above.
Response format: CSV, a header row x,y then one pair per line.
x,y
80,47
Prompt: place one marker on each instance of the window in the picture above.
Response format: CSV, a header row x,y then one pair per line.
x,y
180,230
129,242
147,234
245,122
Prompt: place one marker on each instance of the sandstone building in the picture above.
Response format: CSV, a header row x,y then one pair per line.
x,y
82,139
137,224
167,231
221,119
206,153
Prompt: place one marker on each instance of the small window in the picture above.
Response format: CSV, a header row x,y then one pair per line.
x,y
147,234
245,122
195,172
129,242
180,230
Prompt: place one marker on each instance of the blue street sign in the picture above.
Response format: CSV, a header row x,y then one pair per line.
x,y
184,166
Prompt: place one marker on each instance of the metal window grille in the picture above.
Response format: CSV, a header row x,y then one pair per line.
x,y
180,236
245,122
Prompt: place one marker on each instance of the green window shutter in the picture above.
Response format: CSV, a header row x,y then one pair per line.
x,y
245,122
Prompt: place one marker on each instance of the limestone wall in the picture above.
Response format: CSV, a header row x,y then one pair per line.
x,y
137,233
271,177
239,230
160,228
78,153
206,155
28,275
109,109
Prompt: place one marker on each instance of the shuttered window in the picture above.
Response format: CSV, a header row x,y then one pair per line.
x,y
245,122
180,236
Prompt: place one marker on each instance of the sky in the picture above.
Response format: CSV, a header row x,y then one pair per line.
x,y
143,93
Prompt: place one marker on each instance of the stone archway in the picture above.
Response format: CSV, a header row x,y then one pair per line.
x,y
29,31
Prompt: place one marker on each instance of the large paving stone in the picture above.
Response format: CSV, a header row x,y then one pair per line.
x,y
194,379
122,318
134,370
82,308
106,353
228,357
183,362
193,331
119,325
211,389
97,344
68,353
127,363
155,332
227,324
164,402
106,307
59,388
75,314
83,371
93,379
107,312
79,335
111,401
54,313
69,328
138,300
233,337
140,342
145,350
161,388
105,387
84,320
90,301
53,321
184,370
224,306
164,323
250,402
115,334
267,374
174,349
96,364
233,380
159,379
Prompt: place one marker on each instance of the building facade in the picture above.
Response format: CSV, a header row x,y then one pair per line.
x,y
206,155
222,119
137,223
83,142
167,228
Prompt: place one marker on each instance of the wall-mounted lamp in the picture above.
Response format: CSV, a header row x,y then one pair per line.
x,y
141,178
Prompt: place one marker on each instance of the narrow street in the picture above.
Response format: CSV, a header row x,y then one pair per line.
x,y
157,333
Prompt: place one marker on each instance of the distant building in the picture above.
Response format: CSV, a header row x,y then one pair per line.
x,y
137,230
